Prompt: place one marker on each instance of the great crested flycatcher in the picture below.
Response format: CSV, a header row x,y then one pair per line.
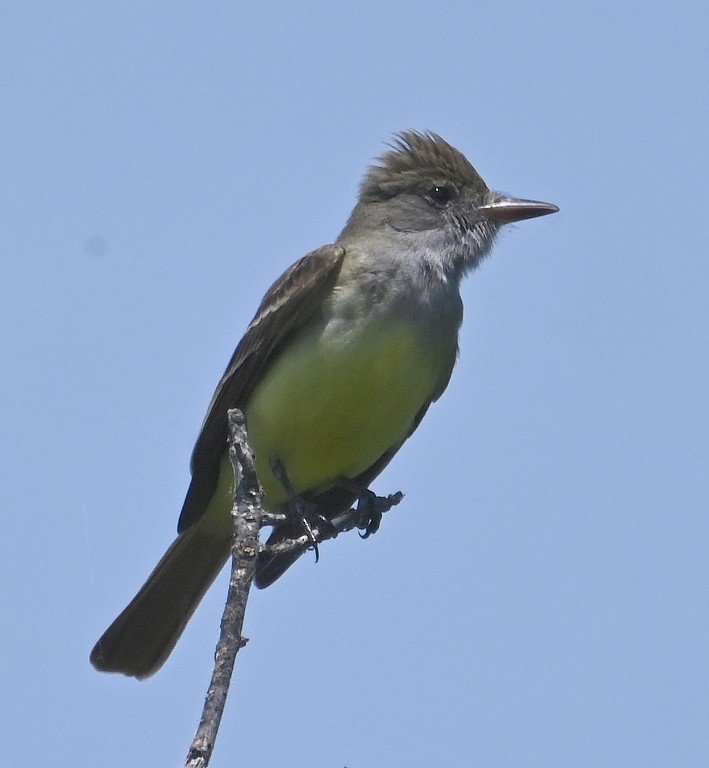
x,y
347,350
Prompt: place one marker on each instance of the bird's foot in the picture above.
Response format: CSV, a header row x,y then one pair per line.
x,y
371,508
302,513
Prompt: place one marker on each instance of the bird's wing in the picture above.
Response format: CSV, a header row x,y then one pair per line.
x,y
294,299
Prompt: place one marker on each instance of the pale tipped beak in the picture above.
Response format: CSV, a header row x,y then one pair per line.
x,y
505,210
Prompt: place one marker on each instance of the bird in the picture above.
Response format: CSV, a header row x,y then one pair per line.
x,y
346,352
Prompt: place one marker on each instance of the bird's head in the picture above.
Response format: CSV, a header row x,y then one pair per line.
x,y
424,191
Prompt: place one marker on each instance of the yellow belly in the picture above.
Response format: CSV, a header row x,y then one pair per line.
x,y
330,408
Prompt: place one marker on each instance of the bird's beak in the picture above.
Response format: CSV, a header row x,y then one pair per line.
x,y
505,210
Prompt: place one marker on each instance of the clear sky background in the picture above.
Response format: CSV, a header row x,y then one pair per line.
x,y
541,597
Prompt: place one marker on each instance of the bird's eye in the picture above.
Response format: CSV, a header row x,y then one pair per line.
x,y
442,194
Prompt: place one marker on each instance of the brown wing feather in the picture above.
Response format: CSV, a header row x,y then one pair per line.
x,y
288,305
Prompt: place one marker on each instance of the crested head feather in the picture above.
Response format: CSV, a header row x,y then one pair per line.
x,y
417,160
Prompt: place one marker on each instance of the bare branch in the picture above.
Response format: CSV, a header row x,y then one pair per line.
x,y
244,551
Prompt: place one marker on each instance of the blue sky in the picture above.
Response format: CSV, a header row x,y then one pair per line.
x,y
540,599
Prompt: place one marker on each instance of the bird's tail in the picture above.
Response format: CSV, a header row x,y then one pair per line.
x,y
142,637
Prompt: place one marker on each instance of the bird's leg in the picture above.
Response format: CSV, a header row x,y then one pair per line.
x,y
301,511
370,507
